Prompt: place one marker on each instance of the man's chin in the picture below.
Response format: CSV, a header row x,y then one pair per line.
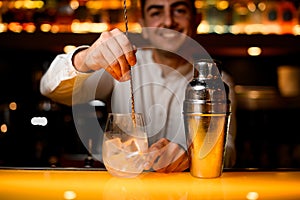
x,y
167,53
169,45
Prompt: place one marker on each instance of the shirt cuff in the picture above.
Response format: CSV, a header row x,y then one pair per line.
x,y
70,70
61,69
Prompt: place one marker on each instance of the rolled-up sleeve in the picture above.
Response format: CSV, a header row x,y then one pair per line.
x,y
57,83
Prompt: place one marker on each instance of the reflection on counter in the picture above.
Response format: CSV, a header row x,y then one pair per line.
x,y
90,184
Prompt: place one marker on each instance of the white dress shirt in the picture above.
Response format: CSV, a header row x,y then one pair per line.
x,y
159,93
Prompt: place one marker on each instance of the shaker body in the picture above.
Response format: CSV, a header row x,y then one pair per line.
x,y
206,143
206,113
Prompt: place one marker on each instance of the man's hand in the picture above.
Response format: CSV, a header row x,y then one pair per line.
x,y
165,156
112,51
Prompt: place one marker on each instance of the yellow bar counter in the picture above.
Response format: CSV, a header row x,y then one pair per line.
x,y
60,184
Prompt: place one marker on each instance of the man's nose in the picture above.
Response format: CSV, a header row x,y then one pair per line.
x,y
168,19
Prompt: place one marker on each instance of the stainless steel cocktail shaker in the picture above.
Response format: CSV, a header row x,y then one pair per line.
x,y
206,111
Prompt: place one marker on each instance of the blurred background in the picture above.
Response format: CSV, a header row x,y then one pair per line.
x,y
257,41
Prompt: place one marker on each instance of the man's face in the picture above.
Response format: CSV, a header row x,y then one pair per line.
x,y
166,22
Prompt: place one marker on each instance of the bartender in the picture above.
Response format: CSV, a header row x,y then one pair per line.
x,y
159,77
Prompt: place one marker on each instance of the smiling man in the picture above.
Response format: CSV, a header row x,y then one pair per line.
x,y
176,17
160,75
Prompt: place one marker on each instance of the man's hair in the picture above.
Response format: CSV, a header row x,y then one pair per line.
x,y
143,2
